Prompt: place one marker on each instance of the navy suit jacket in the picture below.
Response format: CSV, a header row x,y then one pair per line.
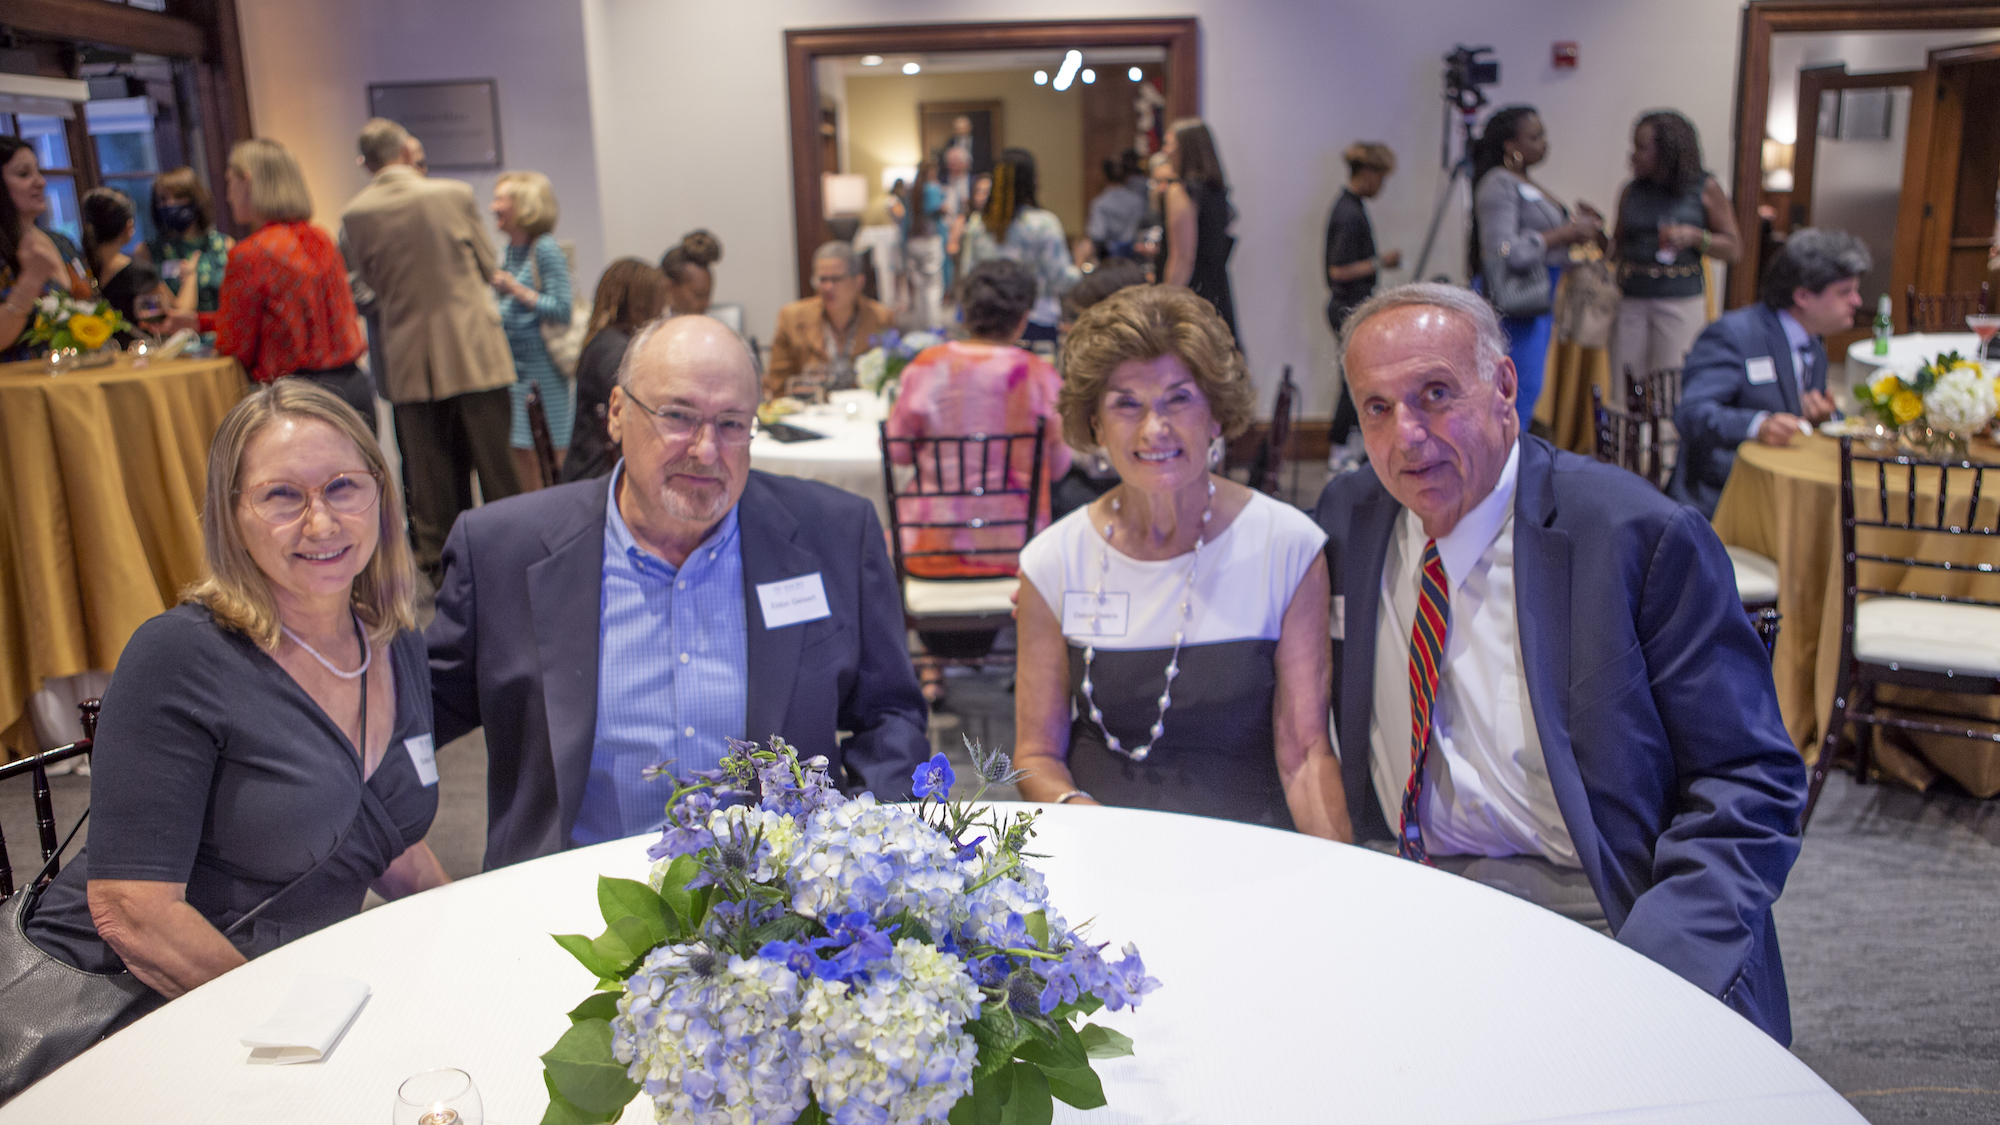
x,y
1653,701
514,648
1718,400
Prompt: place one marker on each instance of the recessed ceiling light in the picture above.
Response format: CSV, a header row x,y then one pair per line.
x,y
1067,72
1089,76
1041,78
871,60
1135,74
911,68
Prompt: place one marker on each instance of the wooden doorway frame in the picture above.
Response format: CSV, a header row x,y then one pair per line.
x,y
1180,38
1765,18
1814,81
1930,173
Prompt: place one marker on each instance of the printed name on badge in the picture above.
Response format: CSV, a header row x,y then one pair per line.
x,y
793,601
424,756
1337,621
1762,369
1094,615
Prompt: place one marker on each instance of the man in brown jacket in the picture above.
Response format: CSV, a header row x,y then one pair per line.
x,y
818,338
420,246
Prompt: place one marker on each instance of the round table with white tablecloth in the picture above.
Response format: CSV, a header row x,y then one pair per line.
x,y
1303,982
1906,352
847,456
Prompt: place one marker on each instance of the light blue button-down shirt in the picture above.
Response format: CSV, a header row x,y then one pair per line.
x,y
672,671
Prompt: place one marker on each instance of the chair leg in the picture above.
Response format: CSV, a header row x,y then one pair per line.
x,y
1864,740
1829,745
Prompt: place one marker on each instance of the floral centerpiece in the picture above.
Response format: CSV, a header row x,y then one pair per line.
x,y
880,367
802,956
1949,395
67,323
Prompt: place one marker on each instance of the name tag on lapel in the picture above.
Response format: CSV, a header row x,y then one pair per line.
x,y
1095,615
1337,621
423,756
793,601
1531,192
1762,369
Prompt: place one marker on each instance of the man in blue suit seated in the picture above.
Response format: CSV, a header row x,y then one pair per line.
x,y
1546,682
599,628
1759,372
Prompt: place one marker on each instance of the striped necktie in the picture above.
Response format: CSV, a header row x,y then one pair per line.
x,y
1426,665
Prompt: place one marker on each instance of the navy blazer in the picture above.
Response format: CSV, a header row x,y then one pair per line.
x,y
1654,705
1718,400
514,648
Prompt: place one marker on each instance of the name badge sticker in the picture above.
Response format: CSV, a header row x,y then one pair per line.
x,y
423,756
1531,192
1761,370
1095,615
1337,620
793,601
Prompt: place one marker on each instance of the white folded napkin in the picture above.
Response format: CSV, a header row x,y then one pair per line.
x,y
311,1020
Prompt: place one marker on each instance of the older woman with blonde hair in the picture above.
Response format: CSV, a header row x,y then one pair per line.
x,y
1181,618
264,753
286,308
533,282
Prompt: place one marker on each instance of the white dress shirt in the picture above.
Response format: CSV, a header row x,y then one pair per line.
x,y
1486,787
1800,342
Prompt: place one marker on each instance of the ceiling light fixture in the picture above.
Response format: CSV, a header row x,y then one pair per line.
x,y
911,68
1136,75
1089,76
1067,73
1041,78
871,60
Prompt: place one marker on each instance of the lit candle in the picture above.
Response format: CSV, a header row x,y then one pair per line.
x,y
440,1114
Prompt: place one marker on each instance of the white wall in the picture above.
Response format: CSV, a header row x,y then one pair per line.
x,y
683,104
309,64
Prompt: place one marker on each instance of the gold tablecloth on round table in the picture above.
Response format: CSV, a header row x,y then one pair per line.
x,y
1785,504
101,477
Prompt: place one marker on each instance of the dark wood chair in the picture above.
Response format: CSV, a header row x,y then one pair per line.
x,y
37,767
1899,637
1652,399
1265,474
538,432
1944,312
1619,438
962,467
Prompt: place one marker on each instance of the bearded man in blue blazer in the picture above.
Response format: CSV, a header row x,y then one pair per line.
x,y
1759,372
1545,679
599,628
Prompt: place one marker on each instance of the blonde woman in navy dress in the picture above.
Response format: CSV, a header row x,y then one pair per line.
x,y
1174,647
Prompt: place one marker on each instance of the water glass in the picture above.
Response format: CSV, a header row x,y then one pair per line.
x,y
439,1097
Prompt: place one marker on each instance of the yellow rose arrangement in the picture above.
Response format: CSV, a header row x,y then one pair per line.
x,y
1950,394
63,321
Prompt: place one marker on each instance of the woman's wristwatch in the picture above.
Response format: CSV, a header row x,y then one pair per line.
x,y
1066,798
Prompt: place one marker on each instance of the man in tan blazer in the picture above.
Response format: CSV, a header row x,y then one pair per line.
x,y
420,246
818,338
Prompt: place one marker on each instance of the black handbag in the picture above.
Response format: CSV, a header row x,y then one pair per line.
x,y
1520,293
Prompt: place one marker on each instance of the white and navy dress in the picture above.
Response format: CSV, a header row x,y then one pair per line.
x,y
1216,756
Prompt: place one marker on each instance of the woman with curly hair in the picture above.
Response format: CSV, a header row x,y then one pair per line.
x,y
1671,215
1174,651
630,295
690,271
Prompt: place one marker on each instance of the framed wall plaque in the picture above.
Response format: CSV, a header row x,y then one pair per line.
x,y
459,122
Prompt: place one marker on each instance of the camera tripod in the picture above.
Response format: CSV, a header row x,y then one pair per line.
x,y
1460,169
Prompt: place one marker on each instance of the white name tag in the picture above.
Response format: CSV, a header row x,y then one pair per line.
x,y
1530,191
423,756
1762,370
1095,615
793,601
1337,621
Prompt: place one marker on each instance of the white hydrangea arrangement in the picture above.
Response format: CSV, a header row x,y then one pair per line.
x,y
801,956
1962,400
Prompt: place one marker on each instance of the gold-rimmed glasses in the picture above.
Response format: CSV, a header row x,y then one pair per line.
x,y
732,427
281,502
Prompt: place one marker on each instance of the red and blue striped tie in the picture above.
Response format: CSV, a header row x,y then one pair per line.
x,y
1426,665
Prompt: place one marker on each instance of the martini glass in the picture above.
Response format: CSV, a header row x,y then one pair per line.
x,y
1984,325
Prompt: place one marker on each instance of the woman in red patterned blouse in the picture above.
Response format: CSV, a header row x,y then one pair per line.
x,y
285,305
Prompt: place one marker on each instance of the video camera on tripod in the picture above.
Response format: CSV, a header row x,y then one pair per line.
x,y
1465,72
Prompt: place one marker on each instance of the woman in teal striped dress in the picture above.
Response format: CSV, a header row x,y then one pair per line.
x,y
534,287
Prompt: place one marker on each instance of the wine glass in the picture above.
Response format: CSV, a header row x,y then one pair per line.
x,y
439,1097
1984,325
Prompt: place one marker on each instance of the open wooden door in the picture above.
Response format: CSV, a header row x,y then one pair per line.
x,y
1944,225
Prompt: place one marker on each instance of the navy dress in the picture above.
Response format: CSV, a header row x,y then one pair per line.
x,y
215,769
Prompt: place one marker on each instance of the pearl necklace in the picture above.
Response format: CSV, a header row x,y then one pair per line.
x,y
367,658
1138,754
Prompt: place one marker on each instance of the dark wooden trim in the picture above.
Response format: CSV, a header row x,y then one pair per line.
x,y
1963,56
1764,18
1812,82
114,25
803,46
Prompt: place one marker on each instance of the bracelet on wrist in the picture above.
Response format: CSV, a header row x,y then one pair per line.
x,y
1706,238
1066,798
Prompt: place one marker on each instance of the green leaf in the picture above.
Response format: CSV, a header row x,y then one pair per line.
x,y
998,1032
674,892
1104,1043
1038,928
624,898
561,1112
582,1070
600,1006
625,942
1079,1086
1085,1005
987,1101
812,1114
1030,1103
580,948
1060,1051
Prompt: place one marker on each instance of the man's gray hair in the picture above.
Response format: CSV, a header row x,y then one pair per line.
x,y
382,142
1489,343
842,252
1812,259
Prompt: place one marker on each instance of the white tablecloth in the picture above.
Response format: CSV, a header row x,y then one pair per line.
x,y
1905,352
849,457
1304,982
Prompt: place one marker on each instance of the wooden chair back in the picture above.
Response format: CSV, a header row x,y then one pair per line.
x,y
1278,446
1943,312
36,767
1619,441
538,432
1652,398
961,466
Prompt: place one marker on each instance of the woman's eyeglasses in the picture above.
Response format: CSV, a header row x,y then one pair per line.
x,y
281,501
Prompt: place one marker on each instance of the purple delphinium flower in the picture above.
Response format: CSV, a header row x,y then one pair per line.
x,y
1080,971
1125,981
934,778
687,828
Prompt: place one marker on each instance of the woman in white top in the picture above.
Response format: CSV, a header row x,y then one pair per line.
x,y
1181,618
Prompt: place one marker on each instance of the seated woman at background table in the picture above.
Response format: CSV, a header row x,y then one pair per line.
x,y
630,295
131,286
33,259
689,269
264,752
189,252
1182,618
